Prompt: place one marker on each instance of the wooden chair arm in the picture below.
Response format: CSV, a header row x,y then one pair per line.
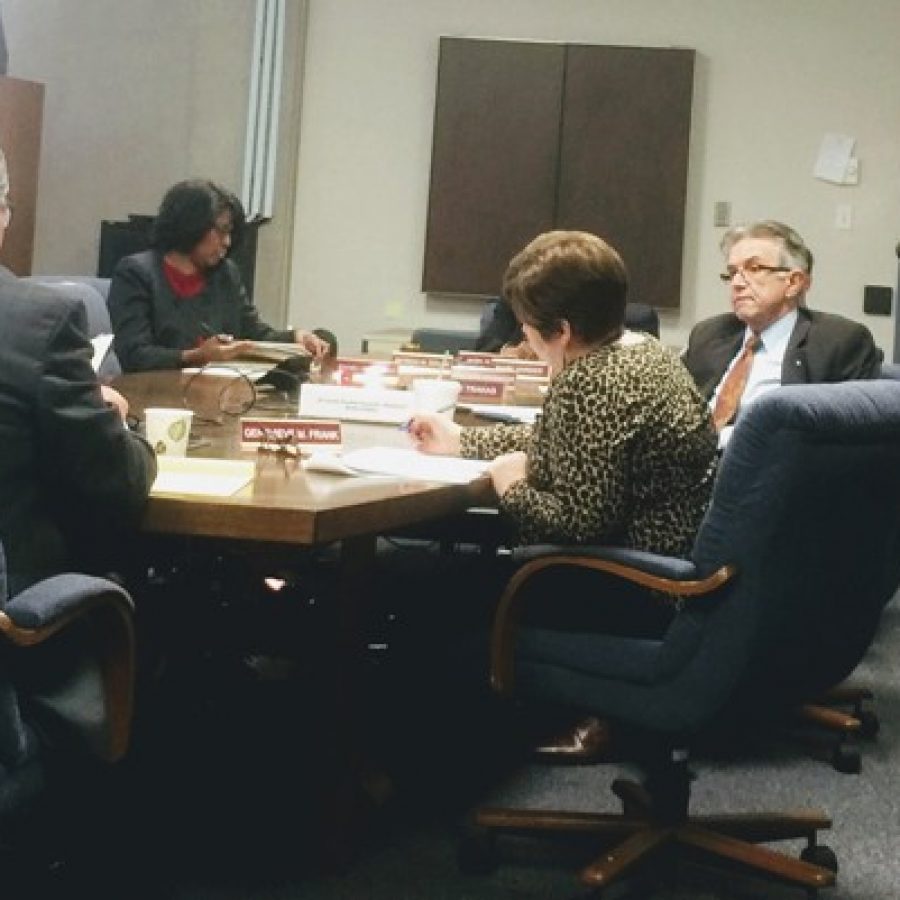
x,y
506,619
111,615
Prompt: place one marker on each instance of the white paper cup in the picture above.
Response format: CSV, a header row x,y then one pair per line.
x,y
167,430
438,395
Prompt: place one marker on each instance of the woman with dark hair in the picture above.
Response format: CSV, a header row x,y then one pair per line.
x,y
182,303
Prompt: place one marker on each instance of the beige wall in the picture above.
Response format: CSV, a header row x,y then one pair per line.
x,y
141,93
772,77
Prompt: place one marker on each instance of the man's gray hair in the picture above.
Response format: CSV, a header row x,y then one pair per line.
x,y
794,252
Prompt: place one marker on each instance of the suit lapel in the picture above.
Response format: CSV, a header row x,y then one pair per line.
x,y
793,367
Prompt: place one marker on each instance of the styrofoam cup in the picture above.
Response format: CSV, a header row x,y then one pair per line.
x,y
167,430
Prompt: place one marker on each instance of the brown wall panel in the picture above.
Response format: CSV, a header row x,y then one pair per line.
x,y
624,157
494,159
21,115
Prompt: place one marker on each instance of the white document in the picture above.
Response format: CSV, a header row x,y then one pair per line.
x,y
102,343
229,370
523,415
198,476
394,461
833,161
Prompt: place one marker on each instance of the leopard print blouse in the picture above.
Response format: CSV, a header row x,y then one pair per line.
x,y
623,453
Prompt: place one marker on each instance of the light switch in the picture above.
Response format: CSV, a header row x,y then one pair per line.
x,y
722,214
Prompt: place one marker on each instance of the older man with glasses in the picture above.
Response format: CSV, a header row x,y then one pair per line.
x,y
770,337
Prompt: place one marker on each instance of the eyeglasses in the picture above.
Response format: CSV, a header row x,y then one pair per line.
x,y
218,390
750,270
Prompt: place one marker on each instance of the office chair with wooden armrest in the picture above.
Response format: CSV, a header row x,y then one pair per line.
x,y
66,684
779,602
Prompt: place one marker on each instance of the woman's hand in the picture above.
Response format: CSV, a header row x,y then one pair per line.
x,y
217,348
507,469
312,343
434,433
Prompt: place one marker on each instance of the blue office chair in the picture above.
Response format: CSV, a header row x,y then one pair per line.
x,y
779,601
66,689
92,292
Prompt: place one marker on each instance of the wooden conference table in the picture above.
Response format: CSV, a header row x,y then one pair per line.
x,y
288,508
284,503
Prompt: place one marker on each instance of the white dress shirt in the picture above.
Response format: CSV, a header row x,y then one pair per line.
x,y
765,372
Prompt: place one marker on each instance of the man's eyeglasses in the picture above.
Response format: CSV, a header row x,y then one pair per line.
x,y
750,270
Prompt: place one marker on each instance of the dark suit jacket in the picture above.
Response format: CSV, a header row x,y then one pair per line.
x,y
822,348
152,325
70,472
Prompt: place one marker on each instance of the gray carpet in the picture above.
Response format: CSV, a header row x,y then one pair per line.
x,y
410,855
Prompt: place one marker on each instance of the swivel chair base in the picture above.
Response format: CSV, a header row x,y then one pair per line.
x,y
641,830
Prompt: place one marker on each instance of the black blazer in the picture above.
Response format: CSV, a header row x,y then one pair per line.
x,y
822,348
153,326
71,474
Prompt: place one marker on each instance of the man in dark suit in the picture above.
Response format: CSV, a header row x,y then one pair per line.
x,y
768,272
71,473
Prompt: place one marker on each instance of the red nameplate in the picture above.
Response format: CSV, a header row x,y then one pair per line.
x,y
523,366
362,371
475,390
290,432
482,373
422,360
477,358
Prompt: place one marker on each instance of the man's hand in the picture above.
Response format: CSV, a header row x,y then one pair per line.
x,y
113,398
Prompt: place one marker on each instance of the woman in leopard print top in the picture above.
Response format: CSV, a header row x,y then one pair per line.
x,y
624,450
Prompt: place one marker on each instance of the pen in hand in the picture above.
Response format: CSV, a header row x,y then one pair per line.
x,y
208,333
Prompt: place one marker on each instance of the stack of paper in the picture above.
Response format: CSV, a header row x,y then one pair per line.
x,y
202,477
394,461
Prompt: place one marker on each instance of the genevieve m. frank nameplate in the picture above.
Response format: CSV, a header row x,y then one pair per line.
x,y
308,434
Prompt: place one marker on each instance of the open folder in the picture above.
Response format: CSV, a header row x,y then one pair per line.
x,y
404,463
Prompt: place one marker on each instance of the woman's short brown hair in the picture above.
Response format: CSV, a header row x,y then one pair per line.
x,y
568,275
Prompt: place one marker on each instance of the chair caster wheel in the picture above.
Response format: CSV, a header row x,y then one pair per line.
x,y
820,855
477,852
869,726
846,761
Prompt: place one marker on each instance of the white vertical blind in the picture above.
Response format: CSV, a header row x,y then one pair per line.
x,y
263,106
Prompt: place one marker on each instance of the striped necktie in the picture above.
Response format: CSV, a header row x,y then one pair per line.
x,y
729,397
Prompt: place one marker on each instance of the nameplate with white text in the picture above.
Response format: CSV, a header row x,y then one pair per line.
x,y
312,434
